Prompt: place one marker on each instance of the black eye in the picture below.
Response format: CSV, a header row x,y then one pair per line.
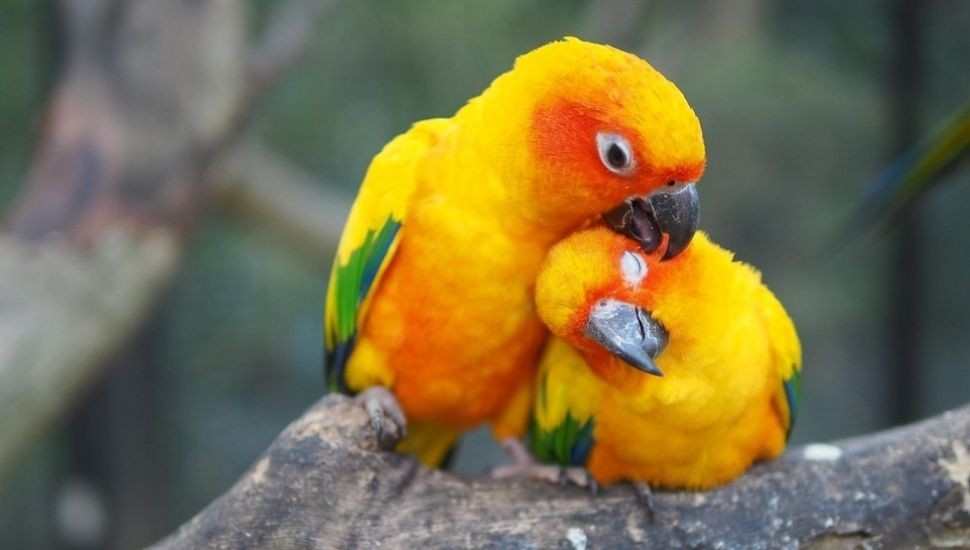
x,y
616,156
615,153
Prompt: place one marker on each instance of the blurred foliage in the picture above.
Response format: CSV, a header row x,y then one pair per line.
x,y
21,73
793,100
914,173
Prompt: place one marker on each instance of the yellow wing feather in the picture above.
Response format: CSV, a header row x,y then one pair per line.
x,y
787,351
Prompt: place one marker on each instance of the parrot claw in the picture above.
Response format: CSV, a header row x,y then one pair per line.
x,y
526,466
385,414
580,477
645,498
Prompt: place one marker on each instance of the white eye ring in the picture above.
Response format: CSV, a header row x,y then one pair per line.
x,y
615,153
633,267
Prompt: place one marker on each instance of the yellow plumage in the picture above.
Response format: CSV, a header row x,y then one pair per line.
x,y
731,366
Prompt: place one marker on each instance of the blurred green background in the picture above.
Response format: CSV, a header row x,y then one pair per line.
x,y
795,99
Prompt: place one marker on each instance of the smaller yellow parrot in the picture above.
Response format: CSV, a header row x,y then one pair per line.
x,y
677,373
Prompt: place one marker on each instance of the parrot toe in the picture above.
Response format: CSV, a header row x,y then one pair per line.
x,y
526,466
551,473
386,415
580,477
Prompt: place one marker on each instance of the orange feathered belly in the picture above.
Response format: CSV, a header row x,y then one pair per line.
x,y
447,389
458,337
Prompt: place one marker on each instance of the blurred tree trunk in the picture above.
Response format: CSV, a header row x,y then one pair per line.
x,y
116,442
906,279
150,96
148,93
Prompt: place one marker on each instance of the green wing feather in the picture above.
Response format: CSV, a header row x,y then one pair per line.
x,y
568,443
793,393
353,282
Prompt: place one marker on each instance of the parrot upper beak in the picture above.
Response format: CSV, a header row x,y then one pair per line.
x,y
673,210
628,332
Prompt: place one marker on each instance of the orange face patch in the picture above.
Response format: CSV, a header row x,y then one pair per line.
x,y
564,146
565,139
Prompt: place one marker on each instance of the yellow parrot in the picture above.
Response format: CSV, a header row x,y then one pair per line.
x,y
677,373
431,293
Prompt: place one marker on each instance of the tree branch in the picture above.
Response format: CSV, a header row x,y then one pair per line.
x,y
285,41
323,484
62,313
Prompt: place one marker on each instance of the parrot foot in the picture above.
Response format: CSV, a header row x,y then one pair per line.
x,y
526,466
644,498
385,415
579,477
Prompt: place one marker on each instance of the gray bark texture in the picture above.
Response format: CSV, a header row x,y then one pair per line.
x,y
324,483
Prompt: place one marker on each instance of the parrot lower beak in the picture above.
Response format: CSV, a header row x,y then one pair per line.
x,y
674,211
628,332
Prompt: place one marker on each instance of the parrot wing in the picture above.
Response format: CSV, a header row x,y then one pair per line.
x,y
369,241
563,424
787,355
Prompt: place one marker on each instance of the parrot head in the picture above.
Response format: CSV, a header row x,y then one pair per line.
x,y
587,130
602,294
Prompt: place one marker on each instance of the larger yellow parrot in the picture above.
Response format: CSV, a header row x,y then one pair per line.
x,y
431,293
679,373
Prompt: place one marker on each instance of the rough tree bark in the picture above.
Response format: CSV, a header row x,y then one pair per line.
x,y
152,94
324,484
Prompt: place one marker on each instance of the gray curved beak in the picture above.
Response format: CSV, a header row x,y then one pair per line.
x,y
674,211
628,332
